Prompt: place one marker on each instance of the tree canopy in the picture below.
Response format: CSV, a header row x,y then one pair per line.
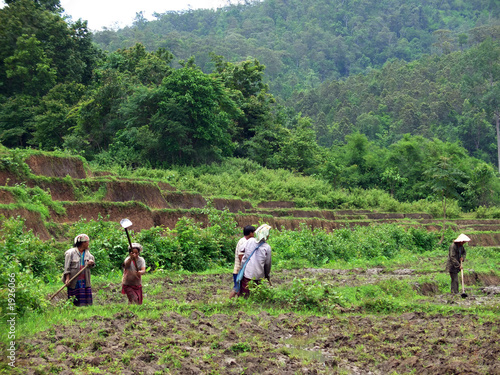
x,y
322,90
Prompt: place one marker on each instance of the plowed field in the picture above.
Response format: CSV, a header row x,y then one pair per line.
x,y
190,335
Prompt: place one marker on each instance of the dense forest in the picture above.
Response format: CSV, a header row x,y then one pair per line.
x,y
305,42
321,89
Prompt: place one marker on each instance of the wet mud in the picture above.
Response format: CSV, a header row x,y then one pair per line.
x,y
344,342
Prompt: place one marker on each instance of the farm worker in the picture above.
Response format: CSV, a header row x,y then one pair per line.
x,y
75,259
248,232
259,264
456,255
134,267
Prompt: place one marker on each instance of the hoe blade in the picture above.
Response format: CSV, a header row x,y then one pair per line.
x,y
125,223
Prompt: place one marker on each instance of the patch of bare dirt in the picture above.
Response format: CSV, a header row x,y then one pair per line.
x,y
6,197
385,216
59,190
185,200
232,205
9,178
32,221
473,278
276,204
418,216
166,187
141,216
124,191
53,166
427,289
289,343
485,239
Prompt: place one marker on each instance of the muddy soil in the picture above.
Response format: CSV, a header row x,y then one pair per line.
x,y
53,166
197,342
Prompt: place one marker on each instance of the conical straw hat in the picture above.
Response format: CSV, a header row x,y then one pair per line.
x,y
462,238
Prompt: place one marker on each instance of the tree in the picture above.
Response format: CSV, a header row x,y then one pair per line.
x,y
39,50
50,5
245,83
54,118
445,181
98,113
480,189
299,150
29,70
16,120
393,179
66,49
482,82
195,119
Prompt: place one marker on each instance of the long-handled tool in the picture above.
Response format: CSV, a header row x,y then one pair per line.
x,y
70,280
464,295
126,223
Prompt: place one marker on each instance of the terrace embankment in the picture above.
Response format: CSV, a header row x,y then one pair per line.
x,y
151,203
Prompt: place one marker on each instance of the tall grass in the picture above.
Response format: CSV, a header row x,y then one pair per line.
x,y
243,179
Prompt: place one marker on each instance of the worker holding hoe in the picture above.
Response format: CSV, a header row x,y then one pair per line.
x,y
456,255
76,276
134,267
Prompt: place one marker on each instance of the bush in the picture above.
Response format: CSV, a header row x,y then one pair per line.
x,y
318,247
108,243
483,212
303,294
30,260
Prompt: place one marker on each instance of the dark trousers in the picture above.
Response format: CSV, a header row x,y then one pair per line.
x,y
244,290
454,282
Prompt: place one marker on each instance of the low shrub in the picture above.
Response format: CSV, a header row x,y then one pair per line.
x,y
28,261
319,247
483,212
303,294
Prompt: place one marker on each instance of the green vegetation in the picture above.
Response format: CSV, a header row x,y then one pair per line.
x,y
389,106
193,248
304,43
134,109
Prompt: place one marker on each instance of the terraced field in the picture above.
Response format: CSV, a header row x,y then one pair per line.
x,y
151,203
188,325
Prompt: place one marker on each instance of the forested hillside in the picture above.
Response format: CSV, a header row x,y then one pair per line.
x,y
453,97
305,42
419,130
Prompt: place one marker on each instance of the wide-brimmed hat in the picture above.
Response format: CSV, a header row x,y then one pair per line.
x,y
462,238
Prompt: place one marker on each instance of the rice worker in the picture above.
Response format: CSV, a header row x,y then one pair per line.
x,y
248,232
456,255
134,267
75,259
259,264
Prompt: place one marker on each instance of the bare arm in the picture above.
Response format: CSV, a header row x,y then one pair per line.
x,y
127,262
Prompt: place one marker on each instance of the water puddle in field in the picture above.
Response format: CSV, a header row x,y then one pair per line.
x,y
301,348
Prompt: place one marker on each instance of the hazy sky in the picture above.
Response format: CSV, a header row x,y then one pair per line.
x,y
120,13
111,13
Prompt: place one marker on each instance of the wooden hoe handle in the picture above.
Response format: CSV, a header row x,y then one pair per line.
x,y
70,280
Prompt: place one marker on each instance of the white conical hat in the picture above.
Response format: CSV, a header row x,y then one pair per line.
x,y
462,238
